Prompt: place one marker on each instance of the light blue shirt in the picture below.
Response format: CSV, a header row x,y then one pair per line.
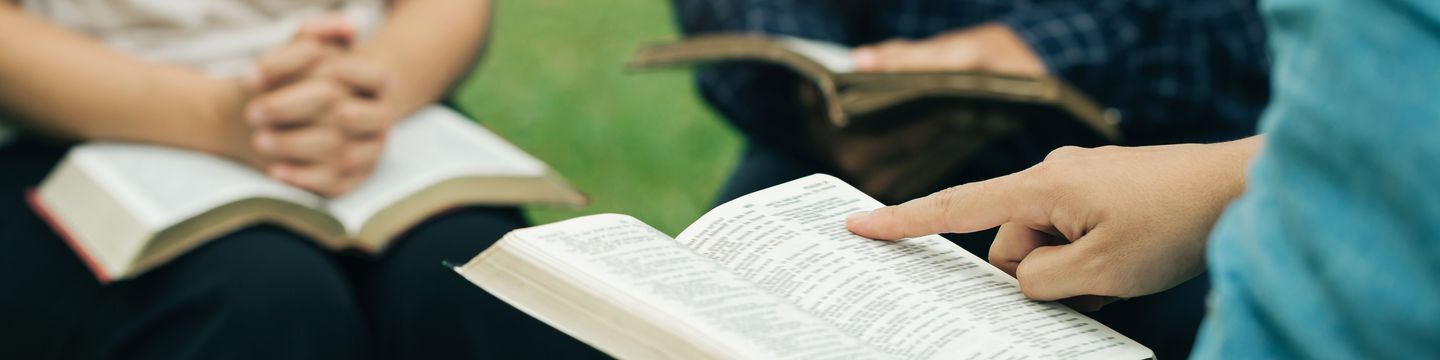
x,y
1334,250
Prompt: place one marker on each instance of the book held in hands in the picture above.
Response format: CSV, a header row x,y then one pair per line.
x,y
898,135
776,274
127,208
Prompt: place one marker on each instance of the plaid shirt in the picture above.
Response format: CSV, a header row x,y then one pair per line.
x,y
1178,71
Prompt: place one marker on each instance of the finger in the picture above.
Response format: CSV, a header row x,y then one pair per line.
x,y
361,119
1050,273
284,64
362,77
299,146
344,184
361,157
1013,242
904,56
966,208
1075,269
879,57
322,178
333,29
358,163
864,59
295,105
946,53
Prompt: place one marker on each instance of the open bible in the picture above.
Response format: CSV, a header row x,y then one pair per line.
x,y
900,135
126,208
775,274
848,93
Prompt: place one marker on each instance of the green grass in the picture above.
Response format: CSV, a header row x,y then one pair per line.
x,y
554,83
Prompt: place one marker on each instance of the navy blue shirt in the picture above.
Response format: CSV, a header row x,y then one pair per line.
x,y
1178,71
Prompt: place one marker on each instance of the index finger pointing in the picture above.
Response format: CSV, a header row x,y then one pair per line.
x,y
965,208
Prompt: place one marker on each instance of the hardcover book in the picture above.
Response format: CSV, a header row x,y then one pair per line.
x,y
900,135
126,208
776,275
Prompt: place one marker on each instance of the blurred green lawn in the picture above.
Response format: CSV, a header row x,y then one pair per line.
x,y
641,144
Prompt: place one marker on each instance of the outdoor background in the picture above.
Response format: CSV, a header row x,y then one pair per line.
x,y
640,143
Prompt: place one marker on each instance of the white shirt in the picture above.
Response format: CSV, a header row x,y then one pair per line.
x,y
221,37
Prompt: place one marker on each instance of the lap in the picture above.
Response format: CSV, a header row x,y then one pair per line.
x,y
422,309
258,286
261,285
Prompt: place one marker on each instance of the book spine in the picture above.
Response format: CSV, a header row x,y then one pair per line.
x,y
33,197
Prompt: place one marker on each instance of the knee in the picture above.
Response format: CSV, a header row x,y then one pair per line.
x,y
411,270
261,274
258,286
454,236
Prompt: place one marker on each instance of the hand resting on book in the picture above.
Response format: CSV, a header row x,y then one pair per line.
x,y
986,47
319,112
1110,221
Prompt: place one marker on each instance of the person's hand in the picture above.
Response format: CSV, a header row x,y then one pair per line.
x,y
1109,222
988,47
318,112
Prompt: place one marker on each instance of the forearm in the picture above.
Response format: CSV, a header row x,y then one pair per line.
x,y
63,84
428,45
1239,153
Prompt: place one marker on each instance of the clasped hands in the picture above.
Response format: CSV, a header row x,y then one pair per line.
x,y
317,110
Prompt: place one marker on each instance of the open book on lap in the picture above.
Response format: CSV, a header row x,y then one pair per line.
x,y
901,135
775,274
126,208
848,94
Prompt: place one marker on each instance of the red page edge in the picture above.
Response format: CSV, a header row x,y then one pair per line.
x,y
33,197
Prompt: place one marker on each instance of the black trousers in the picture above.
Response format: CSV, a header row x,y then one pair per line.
x,y
260,293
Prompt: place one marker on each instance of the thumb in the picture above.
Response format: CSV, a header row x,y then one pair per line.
x,y
1066,271
893,55
966,208
951,53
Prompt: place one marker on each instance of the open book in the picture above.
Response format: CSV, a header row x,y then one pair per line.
x,y
848,93
900,135
126,208
775,274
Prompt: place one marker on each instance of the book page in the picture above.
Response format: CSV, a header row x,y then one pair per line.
x,y
164,186
434,145
627,259
918,298
833,57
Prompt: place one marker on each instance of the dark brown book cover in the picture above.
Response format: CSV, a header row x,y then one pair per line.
x,y
896,135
